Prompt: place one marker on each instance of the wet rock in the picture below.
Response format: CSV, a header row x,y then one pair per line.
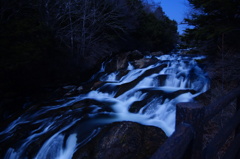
x,y
158,53
97,85
69,87
144,62
136,106
72,90
135,55
123,140
117,63
120,61
87,103
80,88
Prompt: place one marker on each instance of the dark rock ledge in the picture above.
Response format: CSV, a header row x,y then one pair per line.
x,y
123,140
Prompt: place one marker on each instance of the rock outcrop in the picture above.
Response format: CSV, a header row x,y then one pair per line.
x,y
120,61
123,140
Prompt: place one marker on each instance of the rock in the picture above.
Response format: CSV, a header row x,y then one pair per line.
x,y
68,94
120,61
158,53
97,85
80,88
144,62
123,140
69,87
140,63
86,103
135,55
72,90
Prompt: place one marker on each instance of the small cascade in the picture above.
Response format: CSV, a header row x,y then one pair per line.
x,y
54,147
147,95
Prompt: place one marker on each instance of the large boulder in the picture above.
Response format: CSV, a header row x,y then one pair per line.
x,y
144,62
120,61
135,55
123,140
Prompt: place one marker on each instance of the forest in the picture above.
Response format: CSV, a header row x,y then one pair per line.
x,y
48,43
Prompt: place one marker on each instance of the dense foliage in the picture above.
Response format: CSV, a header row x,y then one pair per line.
x,y
215,23
44,43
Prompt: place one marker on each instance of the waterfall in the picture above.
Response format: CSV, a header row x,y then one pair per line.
x,y
147,95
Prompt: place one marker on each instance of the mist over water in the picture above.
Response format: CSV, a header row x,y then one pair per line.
x,y
147,95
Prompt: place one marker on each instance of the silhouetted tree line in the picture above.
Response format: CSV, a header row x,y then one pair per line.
x,y
47,42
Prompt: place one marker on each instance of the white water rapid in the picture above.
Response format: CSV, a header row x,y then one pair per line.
x,y
147,95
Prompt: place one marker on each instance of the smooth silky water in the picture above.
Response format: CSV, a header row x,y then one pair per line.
x,y
145,95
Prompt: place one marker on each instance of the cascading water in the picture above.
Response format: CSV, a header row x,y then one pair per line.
x,y
147,95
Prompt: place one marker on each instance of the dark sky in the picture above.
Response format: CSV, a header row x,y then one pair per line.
x,y
175,9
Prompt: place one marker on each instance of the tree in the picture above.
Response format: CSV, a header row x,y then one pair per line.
x,y
49,40
86,27
211,20
156,31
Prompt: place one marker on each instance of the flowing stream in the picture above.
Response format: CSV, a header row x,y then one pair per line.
x,y
147,95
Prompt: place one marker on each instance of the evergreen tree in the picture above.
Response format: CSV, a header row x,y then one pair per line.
x,y
214,21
